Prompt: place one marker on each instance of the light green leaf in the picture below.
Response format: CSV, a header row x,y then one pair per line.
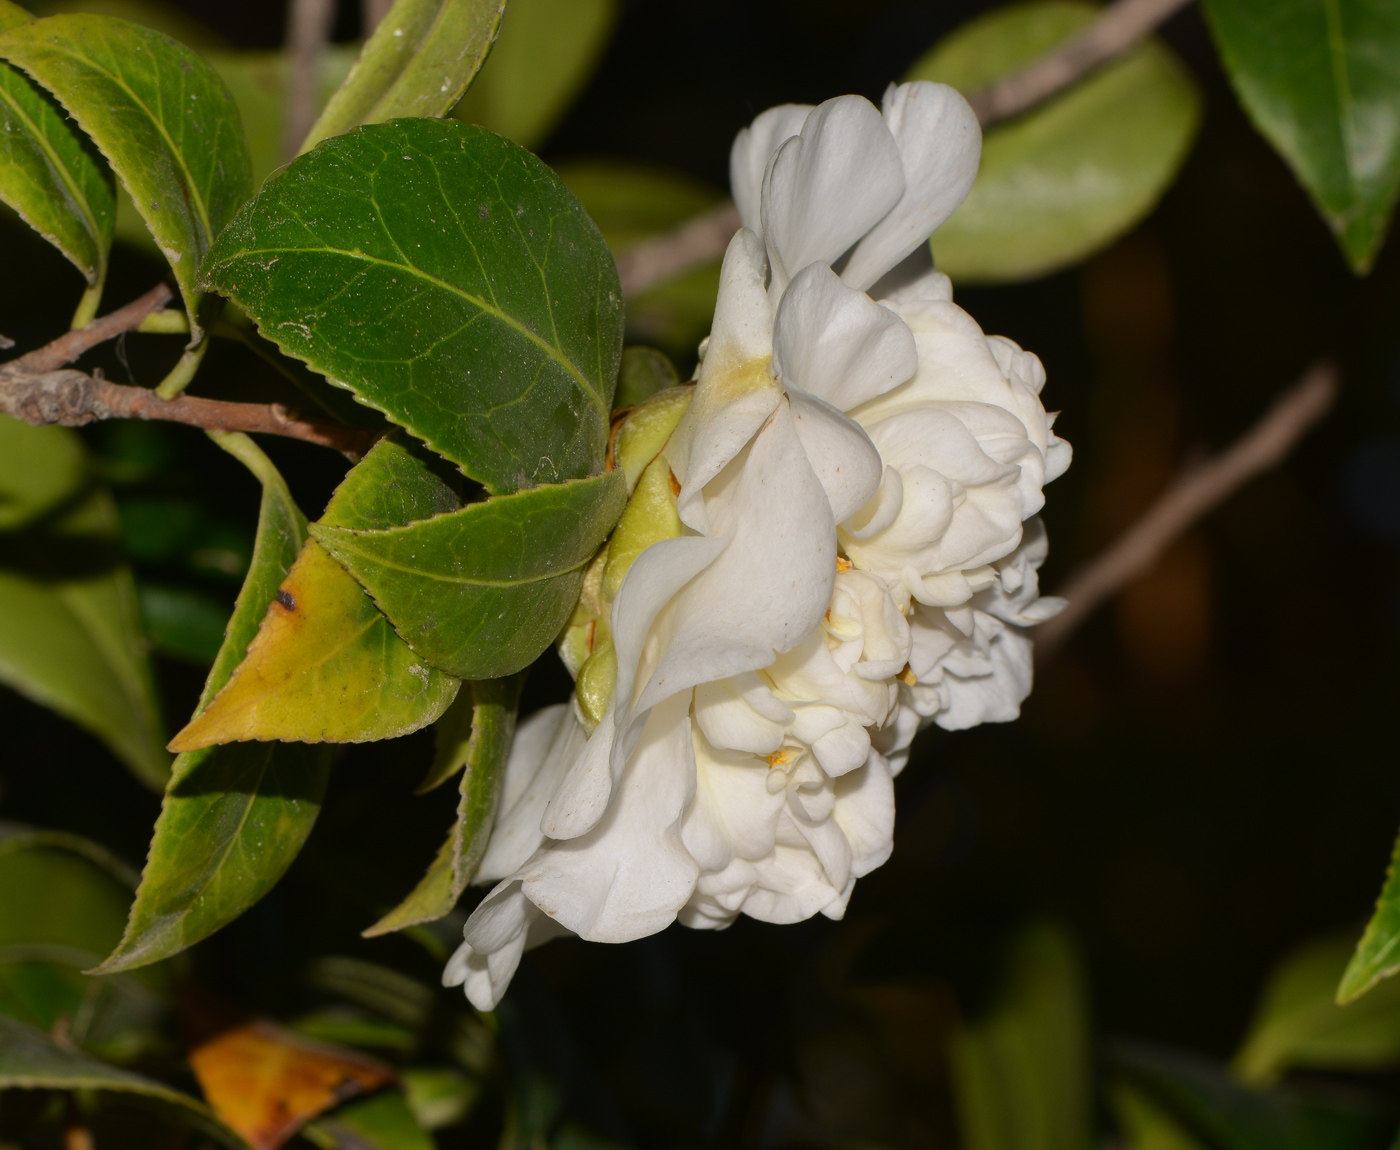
x,y
482,591
1202,1099
448,279
1021,1074
1298,1021
634,202
1071,176
1378,953
418,62
1321,81
31,1060
326,666
63,902
70,634
546,52
235,817
383,1121
483,722
161,116
50,176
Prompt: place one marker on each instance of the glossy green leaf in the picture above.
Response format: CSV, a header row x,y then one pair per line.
x,y
546,52
234,817
1378,953
451,281
161,116
50,176
1321,81
418,62
1207,1103
1066,179
383,1121
326,666
480,592
1299,1024
31,1060
1021,1074
70,634
63,902
475,734
634,202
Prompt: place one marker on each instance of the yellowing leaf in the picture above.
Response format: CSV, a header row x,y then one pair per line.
x,y
325,667
266,1082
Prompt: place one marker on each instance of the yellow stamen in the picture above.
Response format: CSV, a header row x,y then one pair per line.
x,y
907,675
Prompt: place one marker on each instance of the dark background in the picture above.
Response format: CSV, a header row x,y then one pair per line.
x,y
1204,778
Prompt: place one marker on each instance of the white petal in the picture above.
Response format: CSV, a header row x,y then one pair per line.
x,y
772,584
838,343
940,143
753,148
865,812
828,187
545,745
629,875
841,751
499,931
840,453
734,815
791,887
882,509
729,723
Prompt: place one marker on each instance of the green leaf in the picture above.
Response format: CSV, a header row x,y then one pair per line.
x,y
70,634
482,591
378,988
1378,953
439,1096
1143,1124
50,176
161,116
1021,1073
1066,179
31,1060
184,623
451,281
63,902
634,202
346,1026
546,52
1199,1096
475,733
326,666
418,62
234,817
1298,1021
383,1121
1321,81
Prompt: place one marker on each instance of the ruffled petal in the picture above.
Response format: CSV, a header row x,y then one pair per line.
x,y
940,144
829,186
839,452
837,343
753,148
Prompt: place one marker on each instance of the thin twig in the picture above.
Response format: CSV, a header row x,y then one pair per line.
x,y
69,346
1196,492
308,30
74,398
703,239
1120,27
373,12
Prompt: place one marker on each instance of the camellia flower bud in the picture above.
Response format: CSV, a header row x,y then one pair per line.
x,y
829,542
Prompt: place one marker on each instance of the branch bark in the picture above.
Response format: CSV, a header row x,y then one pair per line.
x,y
69,346
308,30
1199,490
1123,24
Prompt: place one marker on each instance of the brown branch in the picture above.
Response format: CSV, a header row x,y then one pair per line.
x,y
1196,492
373,11
73,398
703,239
69,346
308,30
1119,28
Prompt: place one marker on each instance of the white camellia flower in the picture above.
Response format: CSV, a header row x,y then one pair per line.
x,y
746,692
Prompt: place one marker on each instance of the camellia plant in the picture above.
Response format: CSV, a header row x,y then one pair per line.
x,y
763,580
